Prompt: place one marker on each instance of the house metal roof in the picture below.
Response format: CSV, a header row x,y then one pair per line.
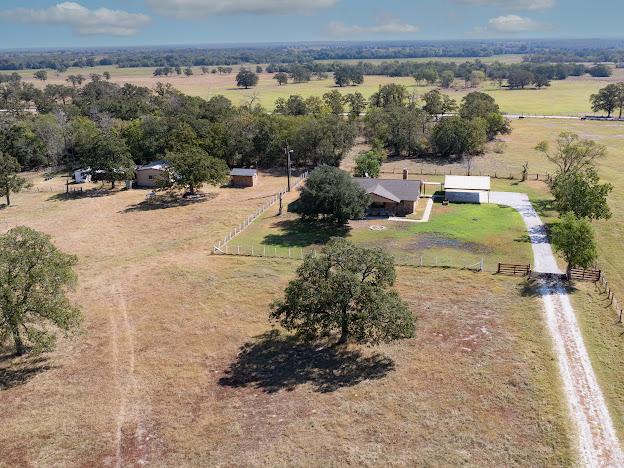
x,y
466,182
159,165
393,189
239,171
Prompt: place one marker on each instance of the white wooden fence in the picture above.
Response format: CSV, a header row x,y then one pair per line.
x,y
222,243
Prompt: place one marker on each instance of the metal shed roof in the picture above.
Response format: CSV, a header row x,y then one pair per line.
x,y
466,182
238,171
159,165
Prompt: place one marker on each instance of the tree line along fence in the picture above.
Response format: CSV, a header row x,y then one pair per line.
x,y
221,244
439,171
426,259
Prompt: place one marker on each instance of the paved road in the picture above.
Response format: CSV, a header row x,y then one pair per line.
x,y
597,442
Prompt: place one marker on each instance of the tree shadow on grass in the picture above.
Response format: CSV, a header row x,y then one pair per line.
x,y
532,287
15,371
544,207
92,193
162,202
298,233
274,362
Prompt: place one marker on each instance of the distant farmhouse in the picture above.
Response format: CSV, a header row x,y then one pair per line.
x,y
148,175
391,197
243,177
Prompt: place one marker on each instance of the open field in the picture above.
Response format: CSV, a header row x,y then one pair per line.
x,y
177,364
567,97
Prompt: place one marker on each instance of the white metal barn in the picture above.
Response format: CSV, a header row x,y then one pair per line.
x,y
467,189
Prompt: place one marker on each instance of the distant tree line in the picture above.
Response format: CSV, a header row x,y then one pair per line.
x,y
551,51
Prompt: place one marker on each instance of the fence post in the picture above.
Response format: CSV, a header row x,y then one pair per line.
x,y
238,249
481,266
499,268
252,252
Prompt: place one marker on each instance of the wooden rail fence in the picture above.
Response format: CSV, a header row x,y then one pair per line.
x,y
514,269
584,274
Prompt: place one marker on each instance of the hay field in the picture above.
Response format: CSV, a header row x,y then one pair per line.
x,y
176,364
567,97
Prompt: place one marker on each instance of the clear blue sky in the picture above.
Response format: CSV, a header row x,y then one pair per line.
x,y
48,23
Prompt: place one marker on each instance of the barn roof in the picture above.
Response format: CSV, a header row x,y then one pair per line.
x,y
239,171
452,182
159,165
393,189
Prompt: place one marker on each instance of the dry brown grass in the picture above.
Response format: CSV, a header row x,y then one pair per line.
x,y
156,374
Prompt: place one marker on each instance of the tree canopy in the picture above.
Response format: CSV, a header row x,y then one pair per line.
x,y
191,167
581,193
246,78
10,180
331,194
608,99
345,290
572,153
34,279
574,238
368,164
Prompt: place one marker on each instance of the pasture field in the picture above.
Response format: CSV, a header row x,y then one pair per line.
x,y
567,97
178,365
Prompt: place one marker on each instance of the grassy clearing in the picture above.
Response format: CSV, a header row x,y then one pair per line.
x,y
456,235
567,97
604,341
156,374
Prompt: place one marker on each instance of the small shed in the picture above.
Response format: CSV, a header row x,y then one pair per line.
x,y
467,189
82,176
240,177
148,175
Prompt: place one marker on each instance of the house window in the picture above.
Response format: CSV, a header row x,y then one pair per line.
x,y
150,177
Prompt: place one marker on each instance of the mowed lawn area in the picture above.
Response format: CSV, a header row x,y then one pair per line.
x,y
178,365
566,97
456,235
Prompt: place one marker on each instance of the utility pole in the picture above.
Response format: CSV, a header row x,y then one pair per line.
x,y
288,151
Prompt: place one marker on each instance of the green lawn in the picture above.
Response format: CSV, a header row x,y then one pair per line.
x,y
456,235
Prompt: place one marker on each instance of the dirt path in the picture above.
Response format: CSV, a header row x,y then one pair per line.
x,y
130,434
598,444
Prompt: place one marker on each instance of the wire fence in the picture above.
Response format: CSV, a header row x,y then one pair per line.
x,y
432,170
222,243
425,259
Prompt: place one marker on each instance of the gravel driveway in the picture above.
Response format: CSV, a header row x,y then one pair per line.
x,y
598,444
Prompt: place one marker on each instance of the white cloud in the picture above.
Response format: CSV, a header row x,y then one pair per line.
x,y
515,5
387,26
82,20
190,9
513,24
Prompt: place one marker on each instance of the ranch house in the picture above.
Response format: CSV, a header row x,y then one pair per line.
x,y
390,197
